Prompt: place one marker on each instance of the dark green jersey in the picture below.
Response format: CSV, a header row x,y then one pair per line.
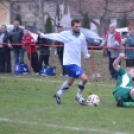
x,y
124,80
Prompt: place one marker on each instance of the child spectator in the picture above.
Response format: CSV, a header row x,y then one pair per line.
x,y
31,49
44,52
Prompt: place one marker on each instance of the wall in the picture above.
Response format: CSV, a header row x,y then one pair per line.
x,y
4,12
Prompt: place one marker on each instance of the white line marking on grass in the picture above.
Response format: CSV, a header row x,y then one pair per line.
x,y
53,81
80,129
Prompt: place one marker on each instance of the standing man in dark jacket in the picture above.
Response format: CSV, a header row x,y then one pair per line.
x,y
44,52
60,51
16,38
130,43
5,55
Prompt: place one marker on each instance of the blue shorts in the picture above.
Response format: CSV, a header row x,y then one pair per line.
x,y
73,70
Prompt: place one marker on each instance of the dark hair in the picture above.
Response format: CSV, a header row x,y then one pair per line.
x,y
59,27
75,21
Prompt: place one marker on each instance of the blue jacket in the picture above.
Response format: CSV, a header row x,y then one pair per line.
x,y
16,37
130,43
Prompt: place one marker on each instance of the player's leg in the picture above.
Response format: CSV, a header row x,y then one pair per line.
x,y
65,86
130,104
81,87
82,84
126,100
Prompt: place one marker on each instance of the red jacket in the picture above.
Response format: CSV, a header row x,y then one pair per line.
x,y
117,37
28,41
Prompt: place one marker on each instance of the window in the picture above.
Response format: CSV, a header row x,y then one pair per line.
x,y
18,7
30,7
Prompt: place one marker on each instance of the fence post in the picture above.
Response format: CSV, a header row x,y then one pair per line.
x,y
30,60
92,60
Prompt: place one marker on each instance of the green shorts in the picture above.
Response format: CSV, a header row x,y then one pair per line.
x,y
124,93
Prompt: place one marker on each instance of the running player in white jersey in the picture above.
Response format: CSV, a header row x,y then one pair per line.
x,y
74,43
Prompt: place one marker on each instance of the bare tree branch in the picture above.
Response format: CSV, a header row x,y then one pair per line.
x,y
106,8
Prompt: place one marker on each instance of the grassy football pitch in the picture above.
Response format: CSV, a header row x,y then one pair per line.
x,y
27,107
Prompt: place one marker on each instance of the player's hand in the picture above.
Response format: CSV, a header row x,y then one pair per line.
x,y
124,41
38,32
122,56
10,46
101,45
128,34
23,46
110,46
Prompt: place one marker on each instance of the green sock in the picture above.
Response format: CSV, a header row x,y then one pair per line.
x,y
128,104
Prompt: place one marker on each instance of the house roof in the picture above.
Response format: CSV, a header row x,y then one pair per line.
x,y
95,8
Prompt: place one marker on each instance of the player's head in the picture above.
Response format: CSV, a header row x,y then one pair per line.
x,y
130,70
76,25
3,28
130,30
112,27
60,29
16,24
25,31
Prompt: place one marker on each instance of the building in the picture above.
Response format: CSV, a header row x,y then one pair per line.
x,y
4,12
35,12
28,11
101,13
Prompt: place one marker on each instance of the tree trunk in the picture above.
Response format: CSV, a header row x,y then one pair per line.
x,y
41,15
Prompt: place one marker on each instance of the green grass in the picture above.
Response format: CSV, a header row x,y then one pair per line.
x,y
27,107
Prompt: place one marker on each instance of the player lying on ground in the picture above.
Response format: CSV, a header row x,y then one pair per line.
x,y
124,91
74,42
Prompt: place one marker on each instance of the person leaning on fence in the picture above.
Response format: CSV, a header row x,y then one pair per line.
x,y
124,90
44,51
5,54
60,51
31,50
130,43
112,39
16,38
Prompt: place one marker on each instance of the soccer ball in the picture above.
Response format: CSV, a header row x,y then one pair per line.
x,y
93,100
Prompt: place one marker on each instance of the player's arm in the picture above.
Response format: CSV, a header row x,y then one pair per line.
x,y
53,36
117,61
85,49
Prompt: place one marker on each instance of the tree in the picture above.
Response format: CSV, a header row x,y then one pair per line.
x,y
48,26
102,26
106,7
41,14
123,21
18,18
86,21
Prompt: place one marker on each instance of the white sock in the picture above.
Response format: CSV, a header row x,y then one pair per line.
x,y
63,88
80,90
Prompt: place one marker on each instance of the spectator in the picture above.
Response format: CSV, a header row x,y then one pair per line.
x,y
44,52
31,49
112,39
5,55
60,51
16,37
130,43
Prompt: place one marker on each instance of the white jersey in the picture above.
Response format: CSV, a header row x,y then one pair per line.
x,y
73,46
